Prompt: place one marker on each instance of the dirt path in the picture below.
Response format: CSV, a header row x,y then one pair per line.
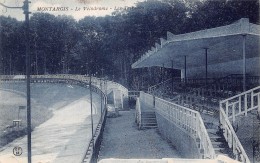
x,y
122,139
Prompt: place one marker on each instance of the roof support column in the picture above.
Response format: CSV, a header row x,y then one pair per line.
x,y
244,62
172,76
150,75
142,80
162,72
206,66
185,69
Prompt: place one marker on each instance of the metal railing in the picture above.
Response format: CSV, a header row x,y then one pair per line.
x,y
156,86
188,120
241,103
235,106
232,139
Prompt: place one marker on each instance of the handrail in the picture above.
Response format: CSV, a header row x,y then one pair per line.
x,y
238,104
96,139
154,86
223,80
241,103
213,80
187,119
96,81
232,139
243,93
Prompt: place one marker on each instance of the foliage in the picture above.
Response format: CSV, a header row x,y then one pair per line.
x,y
63,45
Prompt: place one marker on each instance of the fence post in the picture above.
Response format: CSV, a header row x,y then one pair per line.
x,y
239,104
245,105
252,99
258,103
233,113
226,108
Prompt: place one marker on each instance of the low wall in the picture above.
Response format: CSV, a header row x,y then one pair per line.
x,y
185,144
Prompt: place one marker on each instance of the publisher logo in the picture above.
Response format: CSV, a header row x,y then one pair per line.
x,y
17,151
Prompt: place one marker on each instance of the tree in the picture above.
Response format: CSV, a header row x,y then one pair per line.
x,y
11,52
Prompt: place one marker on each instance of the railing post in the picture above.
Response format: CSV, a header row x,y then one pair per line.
x,y
252,99
243,158
233,113
239,104
258,100
245,105
122,99
226,108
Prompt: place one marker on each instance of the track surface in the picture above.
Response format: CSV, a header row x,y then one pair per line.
x,y
65,136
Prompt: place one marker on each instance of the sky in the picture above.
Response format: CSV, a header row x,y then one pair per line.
x,y
76,8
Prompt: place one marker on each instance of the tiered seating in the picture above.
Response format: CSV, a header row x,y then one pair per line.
x,y
198,95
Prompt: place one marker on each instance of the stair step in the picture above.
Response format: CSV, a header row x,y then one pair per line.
x,y
143,119
152,116
148,122
148,111
212,130
149,118
221,153
154,123
220,149
221,145
148,115
214,136
216,142
219,139
149,126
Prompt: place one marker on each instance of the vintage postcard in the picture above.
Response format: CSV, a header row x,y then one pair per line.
x,y
129,81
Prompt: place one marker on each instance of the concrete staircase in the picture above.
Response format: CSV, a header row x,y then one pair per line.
x,y
219,143
148,119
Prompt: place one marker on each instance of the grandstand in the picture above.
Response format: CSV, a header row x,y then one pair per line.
x,y
220,79
209,114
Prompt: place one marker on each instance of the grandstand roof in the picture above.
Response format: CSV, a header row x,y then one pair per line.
x,y
224,44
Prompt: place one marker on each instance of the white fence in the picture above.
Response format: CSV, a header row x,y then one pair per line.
x,y
95,81
120,92
235,106
232,139
242,103
184,118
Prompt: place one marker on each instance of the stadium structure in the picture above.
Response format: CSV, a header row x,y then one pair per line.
x,y
216,95
211,113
